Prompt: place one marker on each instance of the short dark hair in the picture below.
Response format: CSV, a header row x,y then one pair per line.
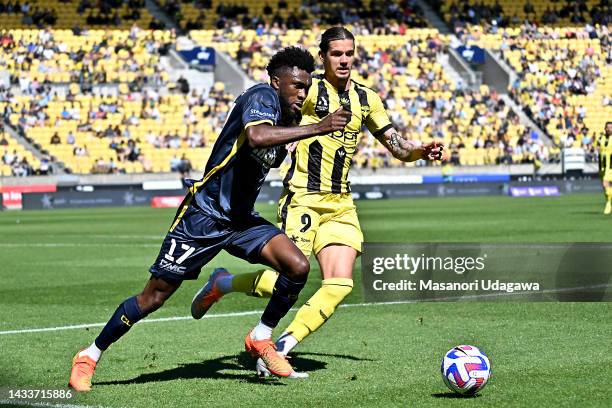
x,y
332,34
607,123
290,57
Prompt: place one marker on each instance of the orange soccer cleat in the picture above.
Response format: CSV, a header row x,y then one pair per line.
x,y
276,363
208,295
82,371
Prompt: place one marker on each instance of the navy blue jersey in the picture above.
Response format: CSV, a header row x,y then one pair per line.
x,y
235,171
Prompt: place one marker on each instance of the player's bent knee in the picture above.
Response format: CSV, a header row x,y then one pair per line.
x,y
300,268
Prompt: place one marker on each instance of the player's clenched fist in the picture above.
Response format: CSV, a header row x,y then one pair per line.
x,y
336,121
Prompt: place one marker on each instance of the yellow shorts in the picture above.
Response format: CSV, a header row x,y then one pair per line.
x,y
315,220
606,176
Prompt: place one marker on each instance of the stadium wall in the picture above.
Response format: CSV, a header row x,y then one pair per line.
x,y
139,195
166,189
128,196
552,169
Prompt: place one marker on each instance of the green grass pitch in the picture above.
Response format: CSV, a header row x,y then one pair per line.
x,y
61,268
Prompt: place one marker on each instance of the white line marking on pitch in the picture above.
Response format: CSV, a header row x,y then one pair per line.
x,y
258,312
70,245
45,404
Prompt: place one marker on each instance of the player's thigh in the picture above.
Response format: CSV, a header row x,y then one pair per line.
x,y
299,219
338,243
249,239
283,255
194,240
341,228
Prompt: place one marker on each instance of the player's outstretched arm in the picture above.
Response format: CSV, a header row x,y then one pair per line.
x,y
410,150
266,135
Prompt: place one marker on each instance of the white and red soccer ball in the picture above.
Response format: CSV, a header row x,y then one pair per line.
x,y
465,369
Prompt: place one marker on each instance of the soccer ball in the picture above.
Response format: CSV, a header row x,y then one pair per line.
x,y
465,369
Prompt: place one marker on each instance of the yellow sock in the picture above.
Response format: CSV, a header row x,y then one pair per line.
x,y
257,284
608,207
319,307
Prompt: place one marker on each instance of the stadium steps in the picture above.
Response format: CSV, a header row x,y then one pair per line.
x,y
525,120
56,167
177,67
433,17
449,70
229,72
157,12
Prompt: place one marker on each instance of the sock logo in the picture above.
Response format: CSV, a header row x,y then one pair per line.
x,y
125,320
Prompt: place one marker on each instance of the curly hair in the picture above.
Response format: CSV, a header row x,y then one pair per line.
x,y
290,57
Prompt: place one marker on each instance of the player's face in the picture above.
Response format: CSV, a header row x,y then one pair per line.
x,y
608,129
292,90
338,60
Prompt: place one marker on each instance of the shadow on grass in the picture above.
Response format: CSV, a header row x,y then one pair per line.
x,y
230,368
451,395
303,362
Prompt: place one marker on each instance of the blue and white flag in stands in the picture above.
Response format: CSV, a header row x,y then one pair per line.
x,y
472,54
199,56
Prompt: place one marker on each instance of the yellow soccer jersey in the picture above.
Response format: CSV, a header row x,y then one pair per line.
x,y
604,144
321,164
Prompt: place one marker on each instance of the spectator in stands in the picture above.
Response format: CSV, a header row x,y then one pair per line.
x,y
80,151
175,163
112,166
174,141
70,139
22,168
10,158
183,85
55,139
133,151
45,166
184,166
99,167
196,140
3,141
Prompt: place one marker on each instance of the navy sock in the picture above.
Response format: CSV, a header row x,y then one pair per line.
x,y
126,315
284,296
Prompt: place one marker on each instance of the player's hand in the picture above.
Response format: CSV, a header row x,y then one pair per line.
x,y
433,151
335,121
291,147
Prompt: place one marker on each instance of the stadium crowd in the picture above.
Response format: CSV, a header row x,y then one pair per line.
x,y
76,14
377,16
422,102
495,14
93,57
560,80
139,131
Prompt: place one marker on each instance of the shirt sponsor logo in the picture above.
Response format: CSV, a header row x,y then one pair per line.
x,y
257,112
265,157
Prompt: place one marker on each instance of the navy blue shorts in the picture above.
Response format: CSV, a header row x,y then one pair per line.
x,y
197,238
